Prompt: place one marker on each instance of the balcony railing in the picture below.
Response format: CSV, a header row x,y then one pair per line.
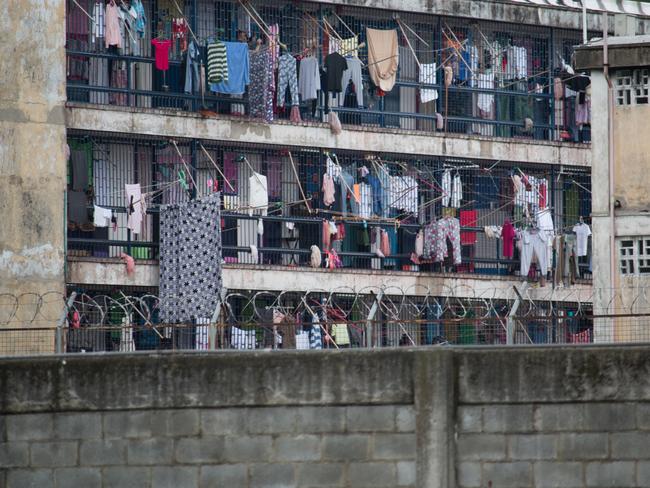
x,y
290,228
496,90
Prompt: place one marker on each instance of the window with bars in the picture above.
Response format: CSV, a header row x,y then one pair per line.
x,y
634,255
632,86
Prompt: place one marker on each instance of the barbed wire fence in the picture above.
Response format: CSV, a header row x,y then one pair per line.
x,y
387,316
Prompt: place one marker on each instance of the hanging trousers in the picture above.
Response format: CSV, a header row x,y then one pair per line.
x,y
448,228
287,77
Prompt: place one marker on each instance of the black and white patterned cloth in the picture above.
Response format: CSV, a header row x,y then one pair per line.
x,y
190,259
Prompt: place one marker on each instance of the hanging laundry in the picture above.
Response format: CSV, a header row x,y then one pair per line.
x,y
345,47
468,65
352,72
287,78
102,216
456,191
193,80
366,200
315,334
180,30
98,21
404,193
260,91
190,259
77,211
135,206
302,339
582,233
309,79
255,256
112,16
419,243
468,219
533,244
258,195
485,101
217,62
427,76
383,57
493,231
129,262
446,188
141,17
237,60
328,190
447,228
315,258
80,162
334,65
162,53
508,236
274,49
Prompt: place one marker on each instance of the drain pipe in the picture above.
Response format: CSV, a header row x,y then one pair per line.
x,y
584,21
610,148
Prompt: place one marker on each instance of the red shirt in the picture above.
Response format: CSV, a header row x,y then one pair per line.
x,y
508,237
162,53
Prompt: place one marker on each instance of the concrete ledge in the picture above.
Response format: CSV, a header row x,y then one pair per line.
x,y
167,123
563,374
430,377
169,380
89,271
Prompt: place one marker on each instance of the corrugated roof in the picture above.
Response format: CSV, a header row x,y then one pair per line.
x,y
613,6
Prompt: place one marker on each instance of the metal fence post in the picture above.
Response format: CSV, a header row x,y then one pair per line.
x,y
58,340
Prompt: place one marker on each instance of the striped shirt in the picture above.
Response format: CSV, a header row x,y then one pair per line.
x,y
217,62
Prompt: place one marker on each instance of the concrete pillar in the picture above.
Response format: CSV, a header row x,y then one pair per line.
x,y
32,154
435,407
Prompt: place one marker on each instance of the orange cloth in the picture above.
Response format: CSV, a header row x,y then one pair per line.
x,y
357,192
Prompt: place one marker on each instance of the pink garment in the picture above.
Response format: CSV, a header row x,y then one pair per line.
x,y
130,263
385,243
112,19
326,235
542,195
295,115
162,53
328,190
508,236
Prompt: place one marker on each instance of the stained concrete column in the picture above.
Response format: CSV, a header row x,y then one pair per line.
x,y
32,156
435,406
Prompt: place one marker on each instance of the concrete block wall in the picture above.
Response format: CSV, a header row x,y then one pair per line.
x,y
564,445
570,417
258,447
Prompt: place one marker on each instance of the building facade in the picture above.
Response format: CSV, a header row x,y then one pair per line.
x,y
619,76
482,125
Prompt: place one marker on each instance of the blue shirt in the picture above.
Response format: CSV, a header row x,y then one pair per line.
x,y
238,70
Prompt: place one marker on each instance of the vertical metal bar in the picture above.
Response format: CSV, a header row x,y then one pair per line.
x,y
58,339
551,86
371,316
193,167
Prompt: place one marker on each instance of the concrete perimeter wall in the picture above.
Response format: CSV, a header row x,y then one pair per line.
x,y
526,417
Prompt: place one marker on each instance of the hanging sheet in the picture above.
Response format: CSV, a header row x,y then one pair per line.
x,y
190,259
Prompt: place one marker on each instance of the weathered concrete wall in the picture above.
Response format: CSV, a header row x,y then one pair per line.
x,y
183,124
275,278
500,10
32,140
631,149
438,417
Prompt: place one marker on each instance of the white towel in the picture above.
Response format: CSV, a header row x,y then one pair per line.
x,y
428,76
